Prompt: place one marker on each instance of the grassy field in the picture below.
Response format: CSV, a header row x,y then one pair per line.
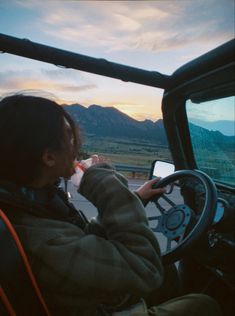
x,y
141,153
123,151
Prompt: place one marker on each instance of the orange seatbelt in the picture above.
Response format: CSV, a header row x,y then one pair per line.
x,y
6,303
27,267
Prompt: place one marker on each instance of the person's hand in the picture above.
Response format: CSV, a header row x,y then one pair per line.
x,y
94,159
146,191
97,159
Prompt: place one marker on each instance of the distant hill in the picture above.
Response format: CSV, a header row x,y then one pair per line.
x,y
224,126
110,122
210,139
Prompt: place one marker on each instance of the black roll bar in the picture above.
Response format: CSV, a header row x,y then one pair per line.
x,y
59,57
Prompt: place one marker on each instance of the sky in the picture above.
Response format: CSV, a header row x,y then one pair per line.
x,y
154,35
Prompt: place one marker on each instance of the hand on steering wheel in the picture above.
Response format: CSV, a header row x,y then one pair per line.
x,y
147,190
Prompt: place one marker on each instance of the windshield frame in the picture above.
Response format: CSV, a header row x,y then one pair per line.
x,y
175,116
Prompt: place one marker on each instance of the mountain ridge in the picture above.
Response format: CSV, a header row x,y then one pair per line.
x,y
110,122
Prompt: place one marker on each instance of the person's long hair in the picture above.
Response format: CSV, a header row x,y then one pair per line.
x,y
28,126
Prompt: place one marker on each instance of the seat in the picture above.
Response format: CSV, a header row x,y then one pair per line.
x,y
19,292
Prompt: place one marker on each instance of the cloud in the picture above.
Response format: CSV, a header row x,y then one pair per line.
x,y
139,29
127,24
134,26
25,4
62,74
25,84
143,25
41,80
115,27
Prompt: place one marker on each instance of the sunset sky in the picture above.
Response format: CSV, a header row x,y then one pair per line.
x,y
154,35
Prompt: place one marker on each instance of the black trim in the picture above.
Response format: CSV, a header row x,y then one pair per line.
x,y
174,112
218,57
100,66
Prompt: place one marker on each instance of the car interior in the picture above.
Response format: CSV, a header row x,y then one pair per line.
x,y
195,218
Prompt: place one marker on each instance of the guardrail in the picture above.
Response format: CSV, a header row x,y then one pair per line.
x,y
120,167
132,169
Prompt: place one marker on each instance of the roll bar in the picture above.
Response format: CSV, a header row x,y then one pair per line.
x,y
59,57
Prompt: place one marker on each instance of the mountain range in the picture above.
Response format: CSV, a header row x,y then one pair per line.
x,y
226,127
109,122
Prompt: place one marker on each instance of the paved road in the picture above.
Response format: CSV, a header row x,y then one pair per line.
x,y
90,211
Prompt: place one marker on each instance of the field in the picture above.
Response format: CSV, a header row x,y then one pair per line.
x,y
218,164
124,151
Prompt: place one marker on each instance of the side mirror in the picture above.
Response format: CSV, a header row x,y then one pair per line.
x,y
161,169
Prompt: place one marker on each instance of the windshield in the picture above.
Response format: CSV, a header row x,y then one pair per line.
x,y
212,132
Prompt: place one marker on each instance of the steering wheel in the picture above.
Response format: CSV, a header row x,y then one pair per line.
x,y
179,224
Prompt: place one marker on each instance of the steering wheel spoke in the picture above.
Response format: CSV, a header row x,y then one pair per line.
x,y
169,201
161,209
153,218
168,245
177,240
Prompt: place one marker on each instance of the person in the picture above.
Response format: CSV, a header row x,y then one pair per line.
x,y
107,266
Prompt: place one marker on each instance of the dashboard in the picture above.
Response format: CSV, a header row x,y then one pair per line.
x,y
217,250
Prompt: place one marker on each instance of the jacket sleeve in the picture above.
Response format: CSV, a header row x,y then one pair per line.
x,y
134,249
127,260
